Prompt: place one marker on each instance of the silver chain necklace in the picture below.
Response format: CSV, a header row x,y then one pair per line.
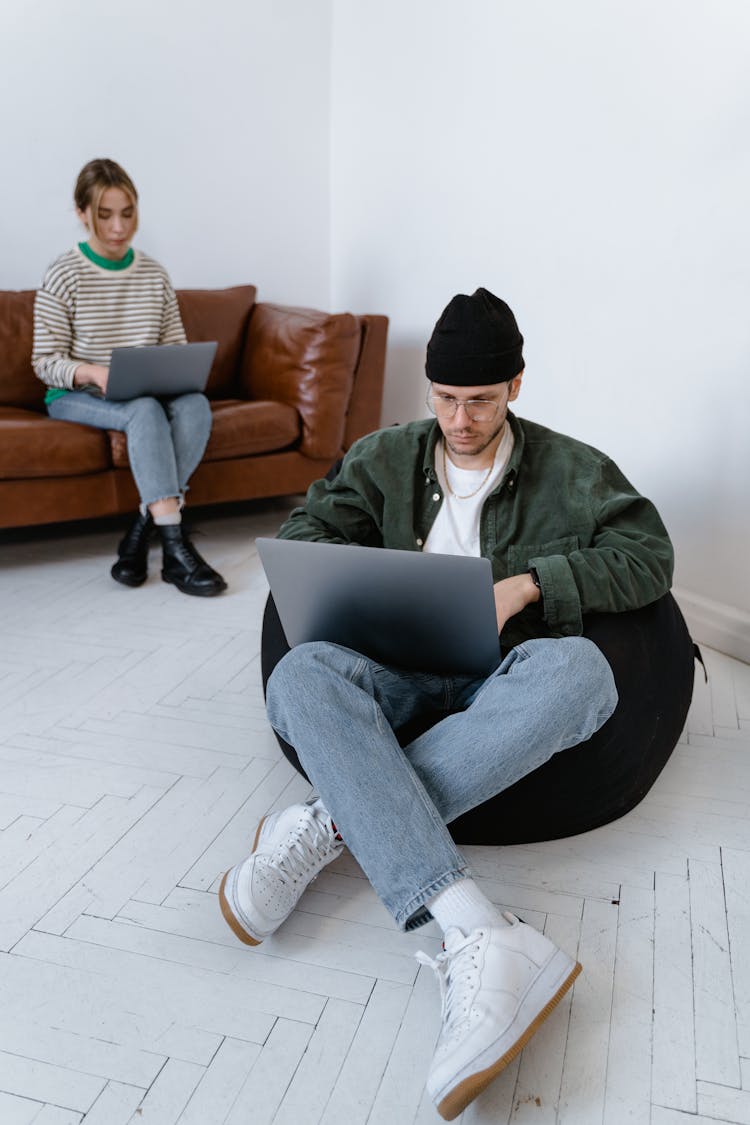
x,y
467,495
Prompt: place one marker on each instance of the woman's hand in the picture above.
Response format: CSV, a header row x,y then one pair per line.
x,y
512,595
87,374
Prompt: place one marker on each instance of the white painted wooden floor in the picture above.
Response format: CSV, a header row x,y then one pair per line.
x,y
135,762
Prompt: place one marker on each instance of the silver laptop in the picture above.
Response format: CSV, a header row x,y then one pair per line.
x,y
430,612
165,369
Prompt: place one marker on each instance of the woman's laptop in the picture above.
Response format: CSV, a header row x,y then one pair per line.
x,y
430,612
162,370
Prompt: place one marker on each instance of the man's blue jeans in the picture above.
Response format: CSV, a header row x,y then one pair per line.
x,y
391,804
166,437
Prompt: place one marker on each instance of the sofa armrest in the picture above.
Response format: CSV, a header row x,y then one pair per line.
x,y
366,403
307,359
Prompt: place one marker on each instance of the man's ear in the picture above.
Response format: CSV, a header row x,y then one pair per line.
x,y
515,386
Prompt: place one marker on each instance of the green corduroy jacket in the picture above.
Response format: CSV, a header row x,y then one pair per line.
x,y
562,507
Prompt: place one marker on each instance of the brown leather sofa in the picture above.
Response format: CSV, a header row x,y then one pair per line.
x,y
290,390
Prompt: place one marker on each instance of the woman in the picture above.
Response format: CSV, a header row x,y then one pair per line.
x,y
104,294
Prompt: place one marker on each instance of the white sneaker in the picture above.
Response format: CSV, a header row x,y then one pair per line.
x,y
497,986
290,849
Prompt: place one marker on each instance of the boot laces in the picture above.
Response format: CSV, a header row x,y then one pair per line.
x,y
458,973
187,553
305,850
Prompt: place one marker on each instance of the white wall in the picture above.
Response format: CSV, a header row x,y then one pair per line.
x,y
590,163
219,111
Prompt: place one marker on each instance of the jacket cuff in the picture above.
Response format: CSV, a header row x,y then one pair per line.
x,y
562,604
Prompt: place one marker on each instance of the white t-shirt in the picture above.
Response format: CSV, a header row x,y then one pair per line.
x,y
456,527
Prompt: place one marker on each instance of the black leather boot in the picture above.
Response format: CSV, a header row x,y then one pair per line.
x,y
184,567
131,567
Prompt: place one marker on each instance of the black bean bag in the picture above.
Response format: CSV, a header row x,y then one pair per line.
x,y
651,655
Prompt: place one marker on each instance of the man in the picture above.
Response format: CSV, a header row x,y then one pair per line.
x,y
567,535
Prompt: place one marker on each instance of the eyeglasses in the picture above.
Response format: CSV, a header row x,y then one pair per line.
x,y
446,406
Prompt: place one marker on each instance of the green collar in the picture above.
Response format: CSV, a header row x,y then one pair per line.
x,y
107,263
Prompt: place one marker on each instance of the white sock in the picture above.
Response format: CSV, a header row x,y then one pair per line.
x,y
462,904
169,519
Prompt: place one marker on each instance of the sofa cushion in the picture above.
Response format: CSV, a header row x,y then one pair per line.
x,y
306,359
239,429
242,429
33,445
19,385
222,315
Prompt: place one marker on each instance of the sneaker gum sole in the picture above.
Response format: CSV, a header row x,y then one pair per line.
x,y
461,1096
226,909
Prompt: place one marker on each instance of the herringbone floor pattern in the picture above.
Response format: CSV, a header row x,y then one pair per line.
x,y
135,761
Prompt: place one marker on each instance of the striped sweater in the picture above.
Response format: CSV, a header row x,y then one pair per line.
x,y
83,311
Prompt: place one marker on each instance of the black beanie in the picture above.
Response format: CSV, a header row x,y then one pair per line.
x,y
475,341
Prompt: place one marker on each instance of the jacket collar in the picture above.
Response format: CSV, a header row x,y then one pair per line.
x,y
511,473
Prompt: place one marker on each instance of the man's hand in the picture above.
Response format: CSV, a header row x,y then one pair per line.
x,y
512,595
88,373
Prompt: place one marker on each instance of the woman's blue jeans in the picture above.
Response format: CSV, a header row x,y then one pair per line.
x,y
166,437
391,805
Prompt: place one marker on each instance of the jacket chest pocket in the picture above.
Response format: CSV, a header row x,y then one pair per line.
x,y
520,554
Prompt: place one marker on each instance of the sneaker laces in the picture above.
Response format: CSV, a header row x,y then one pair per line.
x,y
309,845
457,969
